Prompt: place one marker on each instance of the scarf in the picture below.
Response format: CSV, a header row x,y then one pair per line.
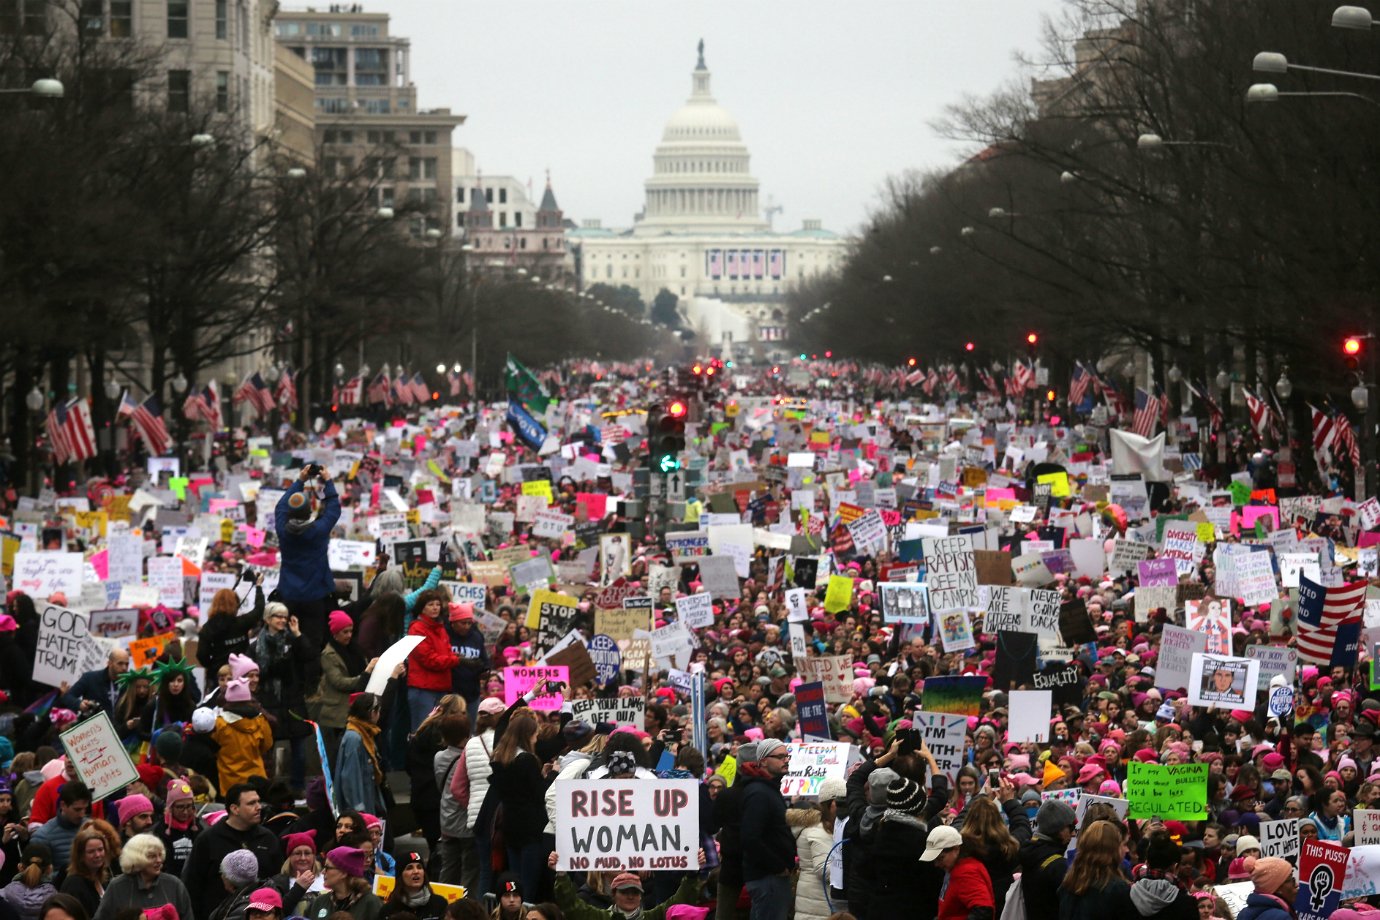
x,y
367,732
628,915
420,899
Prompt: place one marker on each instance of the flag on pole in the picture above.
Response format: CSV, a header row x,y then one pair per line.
x,y
454,379
401,390
420,391
1078,385
1324,615
147,419
254,391
211,396
70,430
286,390
1344,440
525,387
1147,416
380,390
1259,411
351,393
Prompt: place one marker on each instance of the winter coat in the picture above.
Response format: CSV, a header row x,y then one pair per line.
x,y
433,909
127,891
1264,907
84,890
478,750
772,848
355,788
228,633
1043,866
470,649
429,665
812,846
1161,898
201,874
902,885
575,909
422,749
453,813
27,901
366,907
306,571
243,743
282,659
521,791
572,766
332,697
1000,870
1113,900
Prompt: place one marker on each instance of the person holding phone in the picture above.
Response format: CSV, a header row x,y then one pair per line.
x,y
304,534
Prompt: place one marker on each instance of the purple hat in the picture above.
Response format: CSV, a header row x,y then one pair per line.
x,y
349,860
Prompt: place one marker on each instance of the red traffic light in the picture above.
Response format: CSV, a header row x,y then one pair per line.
x,y
709,371
676,409
1352,345
697,370
969,346
1049,395
910,362
1032,338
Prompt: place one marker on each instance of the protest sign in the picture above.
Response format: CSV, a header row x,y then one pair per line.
x,y
1274,659
1148,599
113,623
1367,825
951,573
696,610
960,696
392,656
1211,616
211,582
1029,710
1223,681
627,825
575,656
626,710
1234,895
517,681
1042,613
620,623
1167,790
943,733
101,761
1281,838
1087,799
1255,578
1003,609
672,641
65,647
955,632
1362,871
40,575
144,652
1064,683
1322,877
720,576
687,547
552,615
1175,664
606,656
811,712
1158,573
905,602
552,525
835,672
797,605
811,764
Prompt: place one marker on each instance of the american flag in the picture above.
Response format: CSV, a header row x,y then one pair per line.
x,y
1262,417
420,391
204,405
1327,617
931,381
1323,432
402,390
776,263
1024,375
1215,416
71,432
1147,415
147,419
286,390
379,389
1344,440
350,393
254,391
990,383
1078,385
454,379
951,379
915,377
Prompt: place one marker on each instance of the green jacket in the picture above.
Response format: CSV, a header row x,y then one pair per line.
x,y
575,909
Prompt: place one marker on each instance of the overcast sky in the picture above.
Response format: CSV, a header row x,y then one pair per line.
x,y
831,97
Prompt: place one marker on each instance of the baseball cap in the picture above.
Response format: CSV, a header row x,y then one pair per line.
x,y
941,838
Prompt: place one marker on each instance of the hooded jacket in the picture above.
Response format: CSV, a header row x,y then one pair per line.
x,y
764,824
812,846
243,742
201,874
27,901
1160,897
1265,907
306,571
429,665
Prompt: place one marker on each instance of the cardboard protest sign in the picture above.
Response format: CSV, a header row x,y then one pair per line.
x,y
1211,616
627,825
943,733
1367,824
1234,895
606,657
101,762
1322,876
392,656
619,623
1274,659
696,610
576,657
626,710
1167,790
1087,799
839,595
1362,871
811,712
951,573
552,615
687,547
960,696
66,649
955,632
835,672
144,652
811,764
1175,664
1029,716
1066,684
42,574
384,884
905,602
1223,681
720,576
1281,838
518,681
113,623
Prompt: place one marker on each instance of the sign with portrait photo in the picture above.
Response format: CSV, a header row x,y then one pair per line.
x,y
1223,681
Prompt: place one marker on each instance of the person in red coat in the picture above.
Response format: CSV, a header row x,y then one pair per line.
x,y
968,889
430,664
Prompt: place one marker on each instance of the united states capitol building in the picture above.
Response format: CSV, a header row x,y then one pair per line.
x,y
702,234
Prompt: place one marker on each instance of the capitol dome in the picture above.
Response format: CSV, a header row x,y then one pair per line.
x,y
700,181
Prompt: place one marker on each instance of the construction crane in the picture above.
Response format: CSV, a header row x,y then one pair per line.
x,y
771,210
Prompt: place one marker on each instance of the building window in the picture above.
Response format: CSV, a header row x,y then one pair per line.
x,y
289,29
503,196
421,168
503,218
522,243
177,19
179,91
460,195
460,220
222,90
121,18
222,19
489,195
93,17
377,106
517,218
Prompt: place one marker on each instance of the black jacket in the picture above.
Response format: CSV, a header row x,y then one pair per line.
x,y
769,845
1043,867
227,633
201,874
901,885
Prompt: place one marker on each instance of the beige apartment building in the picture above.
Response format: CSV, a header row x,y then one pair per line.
x,y
366,108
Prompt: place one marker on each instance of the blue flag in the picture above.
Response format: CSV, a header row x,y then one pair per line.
x,y
528,428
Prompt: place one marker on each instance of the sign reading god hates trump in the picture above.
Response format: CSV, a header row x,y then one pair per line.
x,y
627,825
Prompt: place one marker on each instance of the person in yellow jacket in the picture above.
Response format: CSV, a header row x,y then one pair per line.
x,y
244,736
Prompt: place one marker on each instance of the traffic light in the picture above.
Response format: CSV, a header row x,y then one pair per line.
x,y
1032,339
969,346
910,362
668,435
1351,347
1050,396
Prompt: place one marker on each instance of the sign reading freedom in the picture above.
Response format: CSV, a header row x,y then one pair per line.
x,y
1177,791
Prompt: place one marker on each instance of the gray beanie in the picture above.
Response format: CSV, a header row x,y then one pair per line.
x,y
767,747
1053,817
877,781
240,867
747,752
